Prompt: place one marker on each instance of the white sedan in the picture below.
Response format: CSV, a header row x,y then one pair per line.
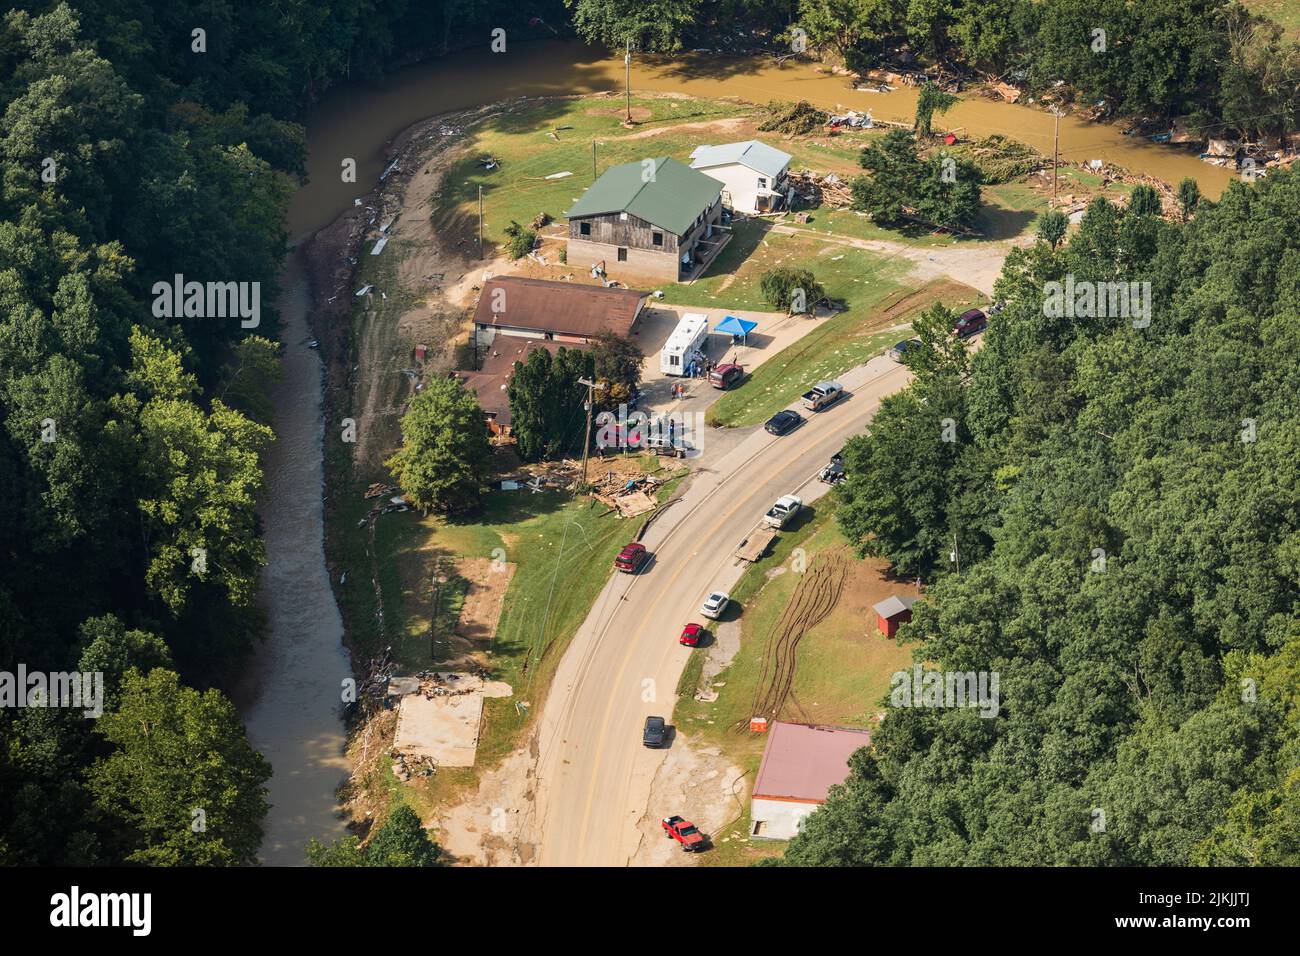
x,y
715,604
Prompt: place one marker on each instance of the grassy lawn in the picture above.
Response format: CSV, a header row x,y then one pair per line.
x,y
556,136
562,549
733,279
1010,209
843,673
836,345
1284,12
858,225
533,143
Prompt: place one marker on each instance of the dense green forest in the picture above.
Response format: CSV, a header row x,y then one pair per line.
x,y
133,151
1124,501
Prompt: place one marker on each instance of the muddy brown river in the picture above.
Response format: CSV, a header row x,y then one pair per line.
x,y
291,702
356,121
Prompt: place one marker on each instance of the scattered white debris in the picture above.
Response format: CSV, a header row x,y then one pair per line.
x,y
559,175
364,289
379,246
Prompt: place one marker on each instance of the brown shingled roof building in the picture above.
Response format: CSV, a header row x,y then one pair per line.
x,y
559,311
489,382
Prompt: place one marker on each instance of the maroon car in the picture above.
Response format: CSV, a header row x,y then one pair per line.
x,y
726,375
631,558
970,322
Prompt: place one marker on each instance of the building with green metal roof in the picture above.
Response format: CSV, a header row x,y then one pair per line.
x,y
653,217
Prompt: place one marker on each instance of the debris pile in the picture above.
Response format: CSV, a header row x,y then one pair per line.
x,y
1000,160
629,496
397,502
817,190
792,119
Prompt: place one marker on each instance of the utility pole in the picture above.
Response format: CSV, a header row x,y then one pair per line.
x,y
480,222
627,73
1056,148
586,438
593,160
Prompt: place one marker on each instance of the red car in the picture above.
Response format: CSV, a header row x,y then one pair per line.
x,y
691,635
631,558
684,832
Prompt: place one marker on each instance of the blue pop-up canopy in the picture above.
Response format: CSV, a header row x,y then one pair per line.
x,y
734,326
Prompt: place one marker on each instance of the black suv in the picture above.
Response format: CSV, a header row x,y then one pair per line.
x,y
655,732
782,422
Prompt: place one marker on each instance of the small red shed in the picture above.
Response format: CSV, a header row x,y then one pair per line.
x,y
891,612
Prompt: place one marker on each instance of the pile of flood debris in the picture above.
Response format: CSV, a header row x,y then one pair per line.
x,y
793,119
817,190
628,496
396,502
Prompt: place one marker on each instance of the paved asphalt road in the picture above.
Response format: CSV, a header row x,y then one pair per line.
x,y
594,777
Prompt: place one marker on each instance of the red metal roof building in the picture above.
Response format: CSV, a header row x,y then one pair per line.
x,y
800,765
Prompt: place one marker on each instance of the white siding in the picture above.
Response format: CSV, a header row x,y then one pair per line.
x,y
779,819
740,185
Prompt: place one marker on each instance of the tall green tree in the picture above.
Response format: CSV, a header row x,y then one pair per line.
x,y
182,783
445,459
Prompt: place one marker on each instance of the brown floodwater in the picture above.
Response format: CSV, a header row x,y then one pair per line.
x,y
356,121
290,701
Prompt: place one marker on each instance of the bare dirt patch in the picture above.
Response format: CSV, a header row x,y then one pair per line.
x,y
487,580
730,123
494,826
639,113
699,784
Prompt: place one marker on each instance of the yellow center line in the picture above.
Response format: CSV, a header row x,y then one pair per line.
x,y
631,644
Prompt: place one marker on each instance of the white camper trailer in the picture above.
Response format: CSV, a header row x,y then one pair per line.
x,y
685,345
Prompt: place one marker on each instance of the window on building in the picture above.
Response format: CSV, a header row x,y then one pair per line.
x,y
584,229
762,182
622,254
657,238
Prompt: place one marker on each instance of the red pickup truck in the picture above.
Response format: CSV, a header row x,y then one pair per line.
x,y
684,832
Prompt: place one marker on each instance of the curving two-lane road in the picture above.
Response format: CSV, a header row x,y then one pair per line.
x,y
623,664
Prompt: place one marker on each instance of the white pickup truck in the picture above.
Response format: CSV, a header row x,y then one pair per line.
x,y
822,394
786,507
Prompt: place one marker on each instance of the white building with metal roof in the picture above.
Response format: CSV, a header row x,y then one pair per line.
x,y
752,174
